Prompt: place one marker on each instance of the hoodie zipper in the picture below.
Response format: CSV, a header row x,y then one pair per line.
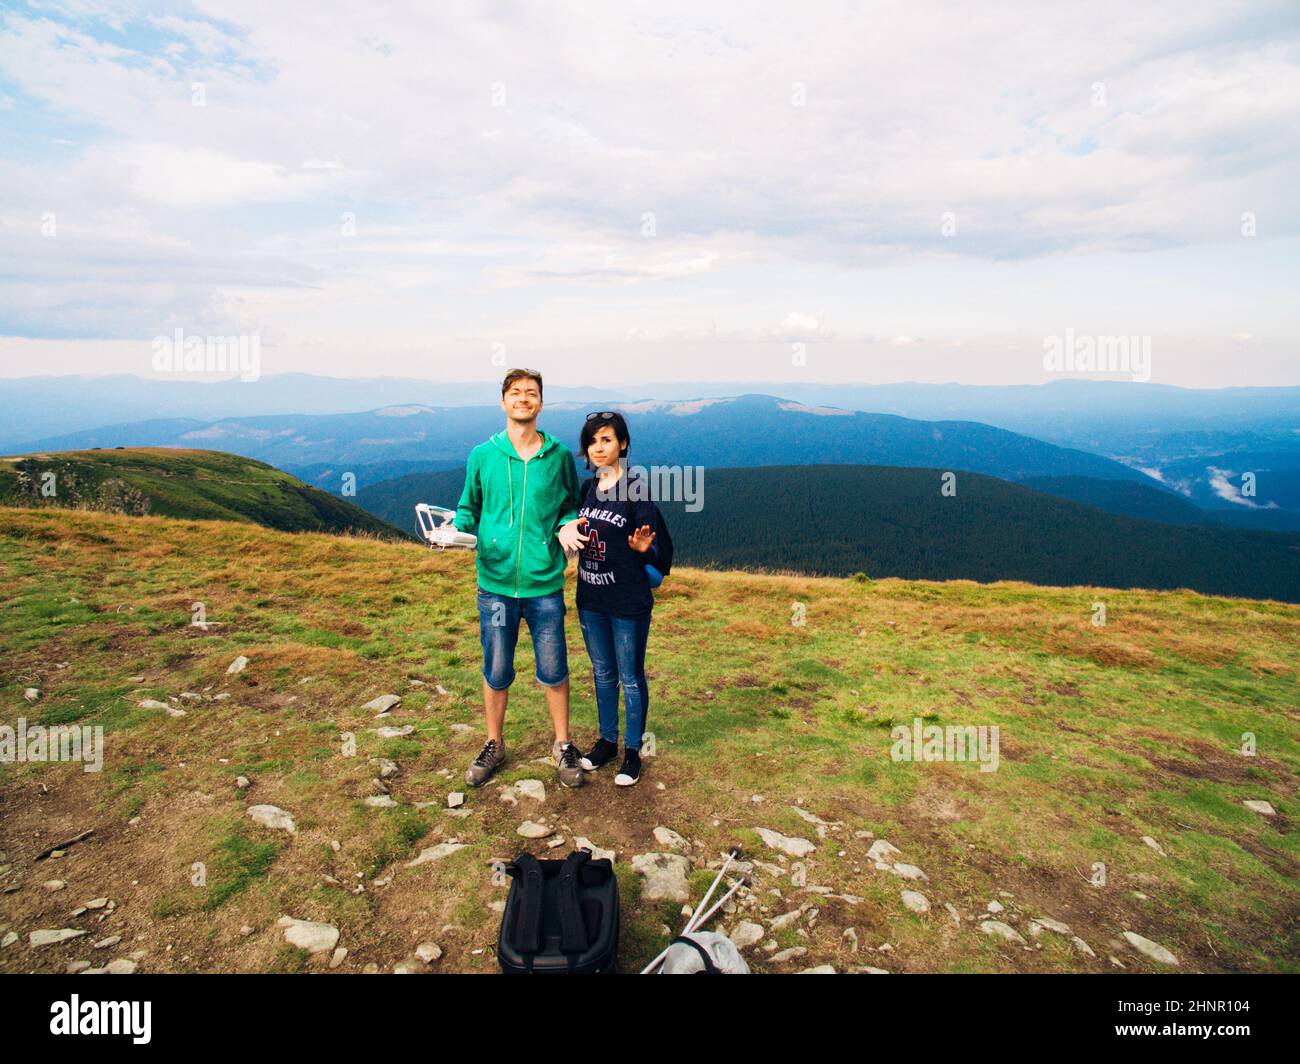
x,y
519,549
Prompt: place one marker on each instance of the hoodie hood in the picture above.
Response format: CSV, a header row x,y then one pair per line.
x,y
501,441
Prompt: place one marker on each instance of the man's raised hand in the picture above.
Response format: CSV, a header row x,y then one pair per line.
x,y
570,535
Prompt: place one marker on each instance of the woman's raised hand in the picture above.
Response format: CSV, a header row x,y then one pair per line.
x,y
641,539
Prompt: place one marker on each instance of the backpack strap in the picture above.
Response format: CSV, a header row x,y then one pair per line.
x,y
573,928
709,967
528,917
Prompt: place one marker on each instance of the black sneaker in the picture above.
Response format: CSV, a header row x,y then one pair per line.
x,y
601,754
630,771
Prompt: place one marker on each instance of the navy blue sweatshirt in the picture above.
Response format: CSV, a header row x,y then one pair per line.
x,y
611,575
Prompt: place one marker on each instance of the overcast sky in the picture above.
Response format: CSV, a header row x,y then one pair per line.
x,y
659,191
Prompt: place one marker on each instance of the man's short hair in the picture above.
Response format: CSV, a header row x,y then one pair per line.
x,y
521,375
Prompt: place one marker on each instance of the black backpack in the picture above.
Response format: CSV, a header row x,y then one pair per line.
x,y
561,917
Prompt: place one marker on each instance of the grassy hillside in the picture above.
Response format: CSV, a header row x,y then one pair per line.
x,y
205,485
1108,734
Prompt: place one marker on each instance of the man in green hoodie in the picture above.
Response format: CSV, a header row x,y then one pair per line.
x,y
521,500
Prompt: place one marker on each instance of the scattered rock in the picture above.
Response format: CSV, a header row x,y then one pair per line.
x,y
1154,950
121,966
461,729
882,851
997,927
1047,923
1154,845
153,703
746,934
1082,946
243,782
916,901
338,956
238,665
821,969
455,800
388,731
665,876
952,911
669,838
31,694
10,938
381,801
49,937
435,853
105,943
76,966
1258,806
534,789
795,847
995,907
907,871
428,952
272,816
309,935
54,884
172,711
530,830
790,954
780,923
386,766
382,704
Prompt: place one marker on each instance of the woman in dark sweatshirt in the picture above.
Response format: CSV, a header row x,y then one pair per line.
x,y
614,597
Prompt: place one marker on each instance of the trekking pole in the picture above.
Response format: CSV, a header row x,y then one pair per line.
x,y
723,901
731,856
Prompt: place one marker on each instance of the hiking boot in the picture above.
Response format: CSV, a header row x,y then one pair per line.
x,y
601,754
566,756
490,758
630,771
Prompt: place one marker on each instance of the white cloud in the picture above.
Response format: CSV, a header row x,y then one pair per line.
x,y
790,159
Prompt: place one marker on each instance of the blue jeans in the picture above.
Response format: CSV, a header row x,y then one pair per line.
x,y
498,626
617,649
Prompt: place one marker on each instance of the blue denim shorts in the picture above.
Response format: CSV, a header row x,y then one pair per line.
x,y
498,625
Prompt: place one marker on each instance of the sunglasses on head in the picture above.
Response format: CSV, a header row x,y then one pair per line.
x,y
604,415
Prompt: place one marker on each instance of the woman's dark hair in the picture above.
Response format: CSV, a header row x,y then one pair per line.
x,y
614,420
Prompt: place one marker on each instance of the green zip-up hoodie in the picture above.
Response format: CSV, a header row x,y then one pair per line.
x,y
515,508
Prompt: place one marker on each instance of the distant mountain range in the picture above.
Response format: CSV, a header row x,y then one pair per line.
x,y
741,431
1145,424
207,485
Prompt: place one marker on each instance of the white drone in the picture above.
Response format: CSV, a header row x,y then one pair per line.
x,y
442,535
